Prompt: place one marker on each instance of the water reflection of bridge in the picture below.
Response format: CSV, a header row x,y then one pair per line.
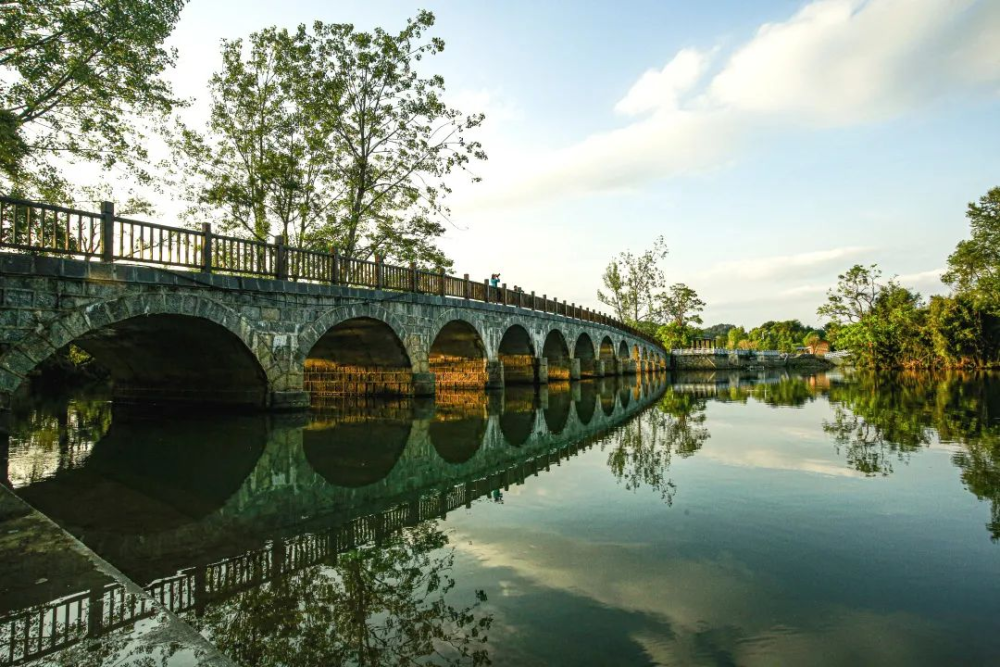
x,y
522,435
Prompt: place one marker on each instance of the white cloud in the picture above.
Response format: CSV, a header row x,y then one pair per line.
x,y
661,89
785,266
834,63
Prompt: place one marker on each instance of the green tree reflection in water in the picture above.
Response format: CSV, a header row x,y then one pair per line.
x,y
882,418
376,605
641,451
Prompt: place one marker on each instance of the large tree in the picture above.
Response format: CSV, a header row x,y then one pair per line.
x,y
854,296
267,163
681,306
74,77
974,267
633,284
331,135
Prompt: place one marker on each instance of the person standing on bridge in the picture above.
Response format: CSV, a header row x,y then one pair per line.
x,y
495,280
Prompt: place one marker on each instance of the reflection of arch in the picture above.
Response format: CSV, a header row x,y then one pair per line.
x,y
458,357
587,402
457,438
517,421
624,395
557,413
189,351
177,470
608,398
358,356
584,351
517,354
355,454
556,351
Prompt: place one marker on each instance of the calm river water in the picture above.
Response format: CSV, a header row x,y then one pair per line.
x,y
712,519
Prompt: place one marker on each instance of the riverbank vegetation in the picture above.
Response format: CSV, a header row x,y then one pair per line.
x,y
885,324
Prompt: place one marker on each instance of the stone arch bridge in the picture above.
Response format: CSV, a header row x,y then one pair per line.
x,y
204,337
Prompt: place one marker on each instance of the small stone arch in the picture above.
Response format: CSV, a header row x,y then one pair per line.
x,y
358,356
556,352
584,351
457,357
173,363
516,351
623,354
416,349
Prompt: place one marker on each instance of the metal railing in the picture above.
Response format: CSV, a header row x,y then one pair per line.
x,y
35,227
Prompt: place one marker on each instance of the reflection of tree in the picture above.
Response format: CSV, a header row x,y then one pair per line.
x,y
379,605
786,392
643,448
879,417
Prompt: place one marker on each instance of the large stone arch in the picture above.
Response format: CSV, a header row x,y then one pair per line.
x,y
94,325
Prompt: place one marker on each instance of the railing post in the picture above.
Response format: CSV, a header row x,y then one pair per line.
x,y
465,286
503,294
486,290
206,247
545,303
379,278
280,266
335,266
441,276
572,311
532,306
107,231
413,276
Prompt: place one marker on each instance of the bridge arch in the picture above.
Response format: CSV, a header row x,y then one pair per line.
x,y
193,350
584,351
516,352
556,352
607,351
358,356
623,350
457,356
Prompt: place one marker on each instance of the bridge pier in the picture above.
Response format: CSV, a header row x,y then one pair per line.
x,y
494,374
574,369
598,369
423,384
542,370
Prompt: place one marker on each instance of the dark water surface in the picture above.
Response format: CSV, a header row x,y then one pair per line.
x,y
686,519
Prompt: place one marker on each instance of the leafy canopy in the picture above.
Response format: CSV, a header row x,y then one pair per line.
x,y
74,77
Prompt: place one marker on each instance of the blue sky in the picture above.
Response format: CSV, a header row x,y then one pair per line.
x,y
773,144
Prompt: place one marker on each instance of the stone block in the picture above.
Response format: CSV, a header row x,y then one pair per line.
x,y
18,298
